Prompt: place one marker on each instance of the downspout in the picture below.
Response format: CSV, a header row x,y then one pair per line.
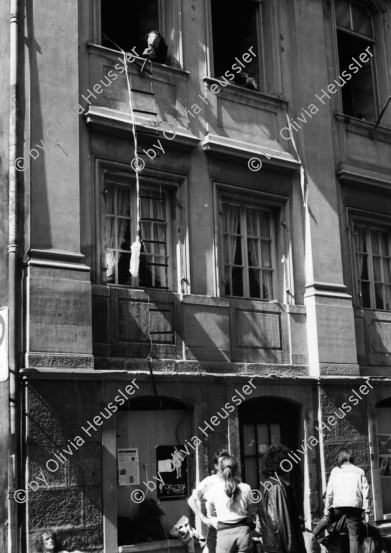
x,y
13,458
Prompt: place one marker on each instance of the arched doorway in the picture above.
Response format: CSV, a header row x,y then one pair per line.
x,y
265,421
383,425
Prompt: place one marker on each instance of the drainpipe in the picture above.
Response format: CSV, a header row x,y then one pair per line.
x,y
13,459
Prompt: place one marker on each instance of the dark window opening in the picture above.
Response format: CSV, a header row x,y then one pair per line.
x,y
355,37
126,24
235,30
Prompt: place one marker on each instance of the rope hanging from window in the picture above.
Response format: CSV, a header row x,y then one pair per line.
x,y
135,248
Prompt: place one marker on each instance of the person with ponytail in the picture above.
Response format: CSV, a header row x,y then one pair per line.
x,y
232,501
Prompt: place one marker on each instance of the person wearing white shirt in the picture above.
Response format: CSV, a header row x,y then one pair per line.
x,y
347,494
232,501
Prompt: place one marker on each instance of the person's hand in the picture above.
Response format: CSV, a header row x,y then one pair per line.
x,y
207,521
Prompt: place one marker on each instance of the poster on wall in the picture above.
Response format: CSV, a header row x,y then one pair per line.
x,y
128,466
171,466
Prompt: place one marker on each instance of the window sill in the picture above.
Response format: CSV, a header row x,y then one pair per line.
x,y
364,128
163,545
157,68
245,95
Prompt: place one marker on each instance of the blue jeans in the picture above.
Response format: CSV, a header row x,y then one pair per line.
x,y
211,540
353,522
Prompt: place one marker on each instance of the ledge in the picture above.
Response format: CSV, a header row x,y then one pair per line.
x,y
364,128
362,178
327,289
110,121
158,69
273,157
245,95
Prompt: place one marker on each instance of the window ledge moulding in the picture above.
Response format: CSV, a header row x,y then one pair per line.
x,y
364,128
110,121
246,96
55,259
364,178
269,152
160,70
327,289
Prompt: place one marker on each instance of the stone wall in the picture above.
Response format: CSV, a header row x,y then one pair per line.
x,y
70,501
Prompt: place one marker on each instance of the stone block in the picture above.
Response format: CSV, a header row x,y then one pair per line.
x,y
54,508
92,507
85,467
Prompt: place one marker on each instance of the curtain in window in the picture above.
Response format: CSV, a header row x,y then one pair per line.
x,y
253,242
231,225
117,203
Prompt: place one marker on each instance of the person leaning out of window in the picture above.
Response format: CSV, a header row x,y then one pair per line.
x,y
347,494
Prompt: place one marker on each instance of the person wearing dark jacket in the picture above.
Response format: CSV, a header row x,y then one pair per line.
x,y
277,511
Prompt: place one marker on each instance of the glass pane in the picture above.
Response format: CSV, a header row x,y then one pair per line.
x,y
109,200
237,281
252,252
123,201
275,434
387,290
111,264
362,20
363,267
267,285
251,476
237,249
384,243
266,253
249,439
360,239
254,283
387,269
366,298
342,13
123,269
123,234
251,219
379,296
263,438
375,242
264,219
231,219
376,268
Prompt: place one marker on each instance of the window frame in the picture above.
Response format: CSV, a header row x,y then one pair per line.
x,y
376,42
268,21
170,18
177,224
279,207
382,223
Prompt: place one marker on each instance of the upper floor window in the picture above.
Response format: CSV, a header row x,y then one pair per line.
x,y
127,24
120,227
355,36
236,34
248,251
372,248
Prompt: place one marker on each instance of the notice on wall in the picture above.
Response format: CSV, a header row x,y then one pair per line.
x,y
128,466
171,464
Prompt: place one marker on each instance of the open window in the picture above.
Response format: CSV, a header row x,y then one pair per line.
x,y
236,28
126,24
355,36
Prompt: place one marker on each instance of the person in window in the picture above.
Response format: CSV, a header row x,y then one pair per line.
x,y
243,79
156,49
232,500
198,495
346,494
277,510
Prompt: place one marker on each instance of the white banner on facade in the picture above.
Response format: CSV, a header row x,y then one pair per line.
x,y
3,344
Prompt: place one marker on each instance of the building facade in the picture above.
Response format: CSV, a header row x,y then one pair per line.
x,y
255,167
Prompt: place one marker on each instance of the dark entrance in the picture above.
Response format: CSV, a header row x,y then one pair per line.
x,y
263,422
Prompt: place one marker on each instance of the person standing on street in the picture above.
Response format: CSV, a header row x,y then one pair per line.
x,y
198,495
347,494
